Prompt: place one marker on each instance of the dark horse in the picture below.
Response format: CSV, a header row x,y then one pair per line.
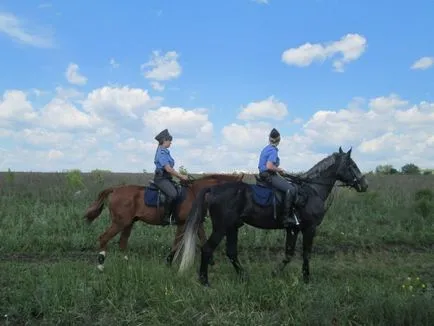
x,y
130,203
233,204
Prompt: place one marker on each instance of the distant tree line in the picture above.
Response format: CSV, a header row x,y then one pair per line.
x,y
409,168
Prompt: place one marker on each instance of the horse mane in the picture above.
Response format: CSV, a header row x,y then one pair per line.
x,y
221,176
320,167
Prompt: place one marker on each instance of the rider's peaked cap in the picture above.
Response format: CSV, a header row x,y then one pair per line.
x,y
163,135
274,135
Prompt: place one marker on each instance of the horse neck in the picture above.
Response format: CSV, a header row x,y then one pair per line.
x,y
211,181
324,182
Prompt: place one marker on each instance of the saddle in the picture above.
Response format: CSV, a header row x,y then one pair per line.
x,y
265,195
264,187
156,197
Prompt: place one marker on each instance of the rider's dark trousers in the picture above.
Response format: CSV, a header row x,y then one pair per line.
x,y
167,187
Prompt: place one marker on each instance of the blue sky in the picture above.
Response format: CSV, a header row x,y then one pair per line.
x,y
216,59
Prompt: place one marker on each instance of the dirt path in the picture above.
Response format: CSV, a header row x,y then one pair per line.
x,y
88,255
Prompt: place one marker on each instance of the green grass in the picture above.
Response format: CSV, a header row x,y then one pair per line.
x,y
365,249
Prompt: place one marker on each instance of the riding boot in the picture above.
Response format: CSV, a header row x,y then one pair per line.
x,y
288,215
167,211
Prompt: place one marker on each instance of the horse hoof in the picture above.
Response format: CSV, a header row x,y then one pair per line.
x,y
306,279
244,277
169,261
204,282
211,262
100,267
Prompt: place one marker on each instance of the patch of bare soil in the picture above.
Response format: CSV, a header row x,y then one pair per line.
x,y
90,255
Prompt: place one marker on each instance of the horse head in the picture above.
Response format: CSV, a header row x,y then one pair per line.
x,y
349,173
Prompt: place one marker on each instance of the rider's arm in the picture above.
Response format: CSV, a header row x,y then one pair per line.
x,y
271,162
172,171
272,167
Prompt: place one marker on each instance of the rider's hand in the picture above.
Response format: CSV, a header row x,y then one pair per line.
x,y
183,177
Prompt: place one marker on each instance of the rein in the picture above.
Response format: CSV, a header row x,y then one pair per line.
x,y
188,184
329,199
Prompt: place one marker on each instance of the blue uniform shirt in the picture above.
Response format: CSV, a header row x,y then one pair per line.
x,y
269,153
162,158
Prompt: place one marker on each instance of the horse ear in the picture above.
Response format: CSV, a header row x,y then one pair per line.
x,y
340,150
349,152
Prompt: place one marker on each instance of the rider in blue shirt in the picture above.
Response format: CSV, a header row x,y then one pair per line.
x,y
269,170
164,171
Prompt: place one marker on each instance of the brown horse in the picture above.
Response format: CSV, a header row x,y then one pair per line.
x,y
127,205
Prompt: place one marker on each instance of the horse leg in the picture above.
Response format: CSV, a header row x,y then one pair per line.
x,y
202,237
178,236
308,235
207,251
232,251
103,240
123,241
291,240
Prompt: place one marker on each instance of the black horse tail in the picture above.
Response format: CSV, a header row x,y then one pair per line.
x,y
188,241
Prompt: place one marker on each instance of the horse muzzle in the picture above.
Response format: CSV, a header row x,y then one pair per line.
x,y
361,185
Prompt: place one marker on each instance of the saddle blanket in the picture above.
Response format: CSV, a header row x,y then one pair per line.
x,y
262,196
151,196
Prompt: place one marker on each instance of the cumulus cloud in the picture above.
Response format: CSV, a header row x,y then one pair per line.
x,y
123,106
73,76
247,136
164,67
157,86
423,63
161,68
15,107
88,131
181,122
350,47
20,31
269,108
61,114
55,154
389,128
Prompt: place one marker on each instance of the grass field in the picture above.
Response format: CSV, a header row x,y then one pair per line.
x,y
372,262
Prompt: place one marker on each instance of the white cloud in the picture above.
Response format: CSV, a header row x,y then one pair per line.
x,y
67,93
248,136
269,108
389,129
88,131
157,86
42,137
32,35
15,107
161,68
261,2
164,67
350,47
60,114
384,104
55,154
133,144
73,76
113,103
423,63
193,124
